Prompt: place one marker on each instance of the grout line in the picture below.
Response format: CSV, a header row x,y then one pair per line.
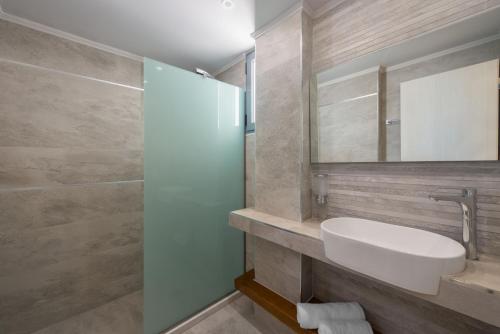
x,y
205,313
68,185
348,100
69,74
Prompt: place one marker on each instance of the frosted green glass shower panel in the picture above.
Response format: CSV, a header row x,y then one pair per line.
x,y
194,176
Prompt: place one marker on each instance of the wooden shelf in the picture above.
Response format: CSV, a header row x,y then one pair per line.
x,y
273,303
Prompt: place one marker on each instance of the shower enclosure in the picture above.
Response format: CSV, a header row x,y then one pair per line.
x,y
193,177
76,254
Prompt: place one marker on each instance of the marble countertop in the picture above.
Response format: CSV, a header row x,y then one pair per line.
x,y
474,292
482,274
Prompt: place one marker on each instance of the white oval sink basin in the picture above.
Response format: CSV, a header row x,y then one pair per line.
x,y
405,257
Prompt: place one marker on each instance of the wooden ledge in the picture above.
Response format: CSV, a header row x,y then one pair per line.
x,y
273,303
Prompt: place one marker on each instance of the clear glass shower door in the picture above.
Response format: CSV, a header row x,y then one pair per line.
x,y
194,176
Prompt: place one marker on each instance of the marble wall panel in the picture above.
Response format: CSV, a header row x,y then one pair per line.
x,y
39,208
26,45
397,193
390,310
71,190
349,131
278,110
55,292
250,170
356,28
278,154
47,109
235,75
44,226
348,88
306,185
278,268
22,167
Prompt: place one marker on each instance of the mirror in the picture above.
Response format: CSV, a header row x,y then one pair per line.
x,y
432,98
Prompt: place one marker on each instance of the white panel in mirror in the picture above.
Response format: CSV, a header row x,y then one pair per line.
x,y
451,116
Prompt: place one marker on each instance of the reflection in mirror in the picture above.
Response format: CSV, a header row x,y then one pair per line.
x,y
431,98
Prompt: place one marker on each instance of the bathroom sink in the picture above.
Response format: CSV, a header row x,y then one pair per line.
x,y
406,257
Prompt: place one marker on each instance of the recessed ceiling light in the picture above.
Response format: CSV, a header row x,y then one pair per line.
x,y
227,4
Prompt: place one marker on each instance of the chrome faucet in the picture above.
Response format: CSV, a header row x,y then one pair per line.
x,y
467,203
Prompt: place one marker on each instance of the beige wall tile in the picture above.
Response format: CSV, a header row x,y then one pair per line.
x,y
355,28
306,70
390,310
279,45
235,75
26,45
250,170
249,251
71,229
348,89
36,209
277,164
31,301
32,250
398,194
340,129
35,166
47,109
278,268
67,249
282,183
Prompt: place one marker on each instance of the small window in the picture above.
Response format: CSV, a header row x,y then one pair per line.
x,y
250,93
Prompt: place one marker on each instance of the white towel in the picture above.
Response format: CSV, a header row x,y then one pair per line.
x,y
344,327
310,315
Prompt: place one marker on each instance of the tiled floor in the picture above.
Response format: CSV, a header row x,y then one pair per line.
x,y
235,318
124,316
121,316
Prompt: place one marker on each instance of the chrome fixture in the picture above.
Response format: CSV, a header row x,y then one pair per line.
x,y
204,73
320,188
467,203
392,121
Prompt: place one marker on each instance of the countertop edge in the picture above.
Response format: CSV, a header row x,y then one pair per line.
x,y
474,300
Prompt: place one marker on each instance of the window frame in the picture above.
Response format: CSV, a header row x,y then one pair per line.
x,y
250,92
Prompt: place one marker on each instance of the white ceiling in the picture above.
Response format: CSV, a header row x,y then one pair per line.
x,y
185,33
